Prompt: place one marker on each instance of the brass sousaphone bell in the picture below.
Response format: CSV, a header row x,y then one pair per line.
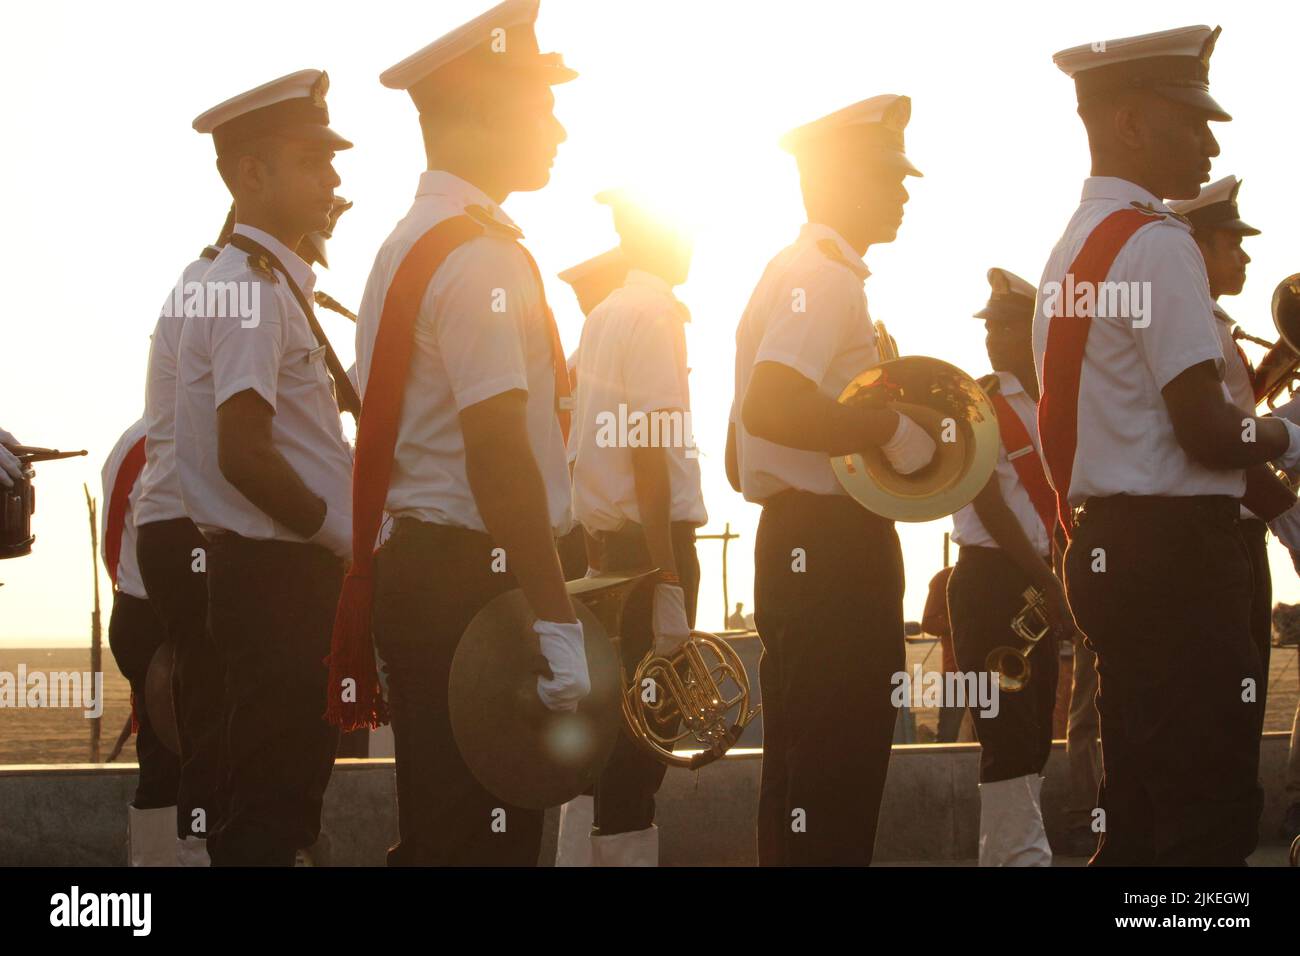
x,y
951,407
1279,369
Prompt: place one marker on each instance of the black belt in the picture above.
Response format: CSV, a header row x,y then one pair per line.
x,y
1203,506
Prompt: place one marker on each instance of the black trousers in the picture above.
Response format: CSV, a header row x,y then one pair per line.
x,y
1162,589
828,596
624,794
985,591
271,611
134,634
430,581
1255,534
179,595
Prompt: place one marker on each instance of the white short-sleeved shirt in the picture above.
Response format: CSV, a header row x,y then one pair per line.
x,y
967,529
129,580
160,483
632,363
808,312
1236,373
482,330
1126,442
278,358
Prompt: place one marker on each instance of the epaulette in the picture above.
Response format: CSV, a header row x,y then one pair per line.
x,y
1160,213
262,266
831,250
991,384
495,226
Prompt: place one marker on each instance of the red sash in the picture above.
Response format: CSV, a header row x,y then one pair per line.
x,y
1067,337
1025,460
118,500
352,652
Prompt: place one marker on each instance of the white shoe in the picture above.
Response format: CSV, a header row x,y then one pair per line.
x,y
192,851
151,836
1011,823
573,848
635,848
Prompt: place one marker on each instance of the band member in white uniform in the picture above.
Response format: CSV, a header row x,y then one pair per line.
x,y
1148,457
828,588
135,632
265,472
1005,536
638,494
476,416
591,281
169,549
1218,229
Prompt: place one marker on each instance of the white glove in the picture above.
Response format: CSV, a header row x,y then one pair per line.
x,y
911,447
669,619
1289,460
8,438
11,469
563,648
1289,410
335,533
1287,527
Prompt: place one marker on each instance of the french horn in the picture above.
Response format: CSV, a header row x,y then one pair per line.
x,y
951,407
701,688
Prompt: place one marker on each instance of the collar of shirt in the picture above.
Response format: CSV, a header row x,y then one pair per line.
x,y
299,271
1123,191
815,232
1221,315
1009,384
439,182
657,284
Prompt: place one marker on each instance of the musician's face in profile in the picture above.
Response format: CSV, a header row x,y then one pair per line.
x,y
285,183
876,195
1180,146
1009,343
1225,261
526,136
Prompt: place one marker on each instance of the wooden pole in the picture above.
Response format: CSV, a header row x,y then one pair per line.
x,y
96,646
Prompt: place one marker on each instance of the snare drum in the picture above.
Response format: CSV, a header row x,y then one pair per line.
x,y
19,502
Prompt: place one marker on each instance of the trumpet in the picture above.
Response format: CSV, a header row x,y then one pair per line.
x,y
1031,625
948,404
703,684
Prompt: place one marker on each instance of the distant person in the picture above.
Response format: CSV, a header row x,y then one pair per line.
x,y
934,620
135,633
828,574
1005,540
736,620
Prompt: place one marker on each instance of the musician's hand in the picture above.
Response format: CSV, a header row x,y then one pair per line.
x,y
11,469
671,629
1287,528
335,533
562,646
7,438
1058,612
910,449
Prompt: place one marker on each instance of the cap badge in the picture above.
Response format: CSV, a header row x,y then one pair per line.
x,y
1207,47
319,89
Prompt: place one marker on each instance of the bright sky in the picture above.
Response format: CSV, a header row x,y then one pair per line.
x,y
109,193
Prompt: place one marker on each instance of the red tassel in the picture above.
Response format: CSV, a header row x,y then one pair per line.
x,y
352,658
135,715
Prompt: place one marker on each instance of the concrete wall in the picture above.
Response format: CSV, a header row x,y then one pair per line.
x,y
75,815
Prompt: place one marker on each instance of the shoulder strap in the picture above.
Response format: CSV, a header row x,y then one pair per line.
x,y
352,655
1067,337
127,474
1025,460
348,399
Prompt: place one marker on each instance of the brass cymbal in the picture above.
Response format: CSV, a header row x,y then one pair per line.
x,y
519,750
